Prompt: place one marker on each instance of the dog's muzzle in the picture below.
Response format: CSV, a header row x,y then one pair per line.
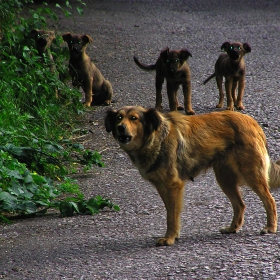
x,y
76,51
42,42
122,134
233,54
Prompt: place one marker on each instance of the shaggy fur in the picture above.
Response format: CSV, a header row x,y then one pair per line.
x,y
172,66
43,40
170,149
231,65
98,90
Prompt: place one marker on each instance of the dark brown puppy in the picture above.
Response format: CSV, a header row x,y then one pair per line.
x,y
98,90
43,40
231,65
170,149
173,66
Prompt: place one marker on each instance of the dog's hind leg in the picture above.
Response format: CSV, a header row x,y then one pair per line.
x,y
219,80
233,91
241,86
172,90
159,82
227,180
229,86
261,188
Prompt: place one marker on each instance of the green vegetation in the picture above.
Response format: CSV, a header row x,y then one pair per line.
x,y
38,122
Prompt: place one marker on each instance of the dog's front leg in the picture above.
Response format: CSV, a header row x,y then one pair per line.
x,y
241,87
172,197
188,98
159,82
228,86
88,91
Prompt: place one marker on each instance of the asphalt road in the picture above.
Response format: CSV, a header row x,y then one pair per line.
x,y
121,245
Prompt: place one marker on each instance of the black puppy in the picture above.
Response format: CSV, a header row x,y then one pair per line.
x,y
172,65
231,65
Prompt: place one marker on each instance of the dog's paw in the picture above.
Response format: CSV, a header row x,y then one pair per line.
x,y
240,107
180,108
190,112
87,104
219,105
268,230
230,108
227,230
165,241
158,108
107,103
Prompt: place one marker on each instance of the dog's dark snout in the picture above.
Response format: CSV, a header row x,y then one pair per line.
x,y
121,128
42,42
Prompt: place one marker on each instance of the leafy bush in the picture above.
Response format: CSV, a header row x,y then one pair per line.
x,y
38,120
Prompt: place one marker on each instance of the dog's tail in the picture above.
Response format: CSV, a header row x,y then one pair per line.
x,y
274,174
144,66
209,78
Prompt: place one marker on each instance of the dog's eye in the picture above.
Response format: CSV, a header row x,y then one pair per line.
x,y
119,117
239,48
80,42
167,61
133,118
176,60
231,47
71,42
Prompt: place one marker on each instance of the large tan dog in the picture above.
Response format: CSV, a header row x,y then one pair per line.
x,y
231,65
169,149
84,73
172,65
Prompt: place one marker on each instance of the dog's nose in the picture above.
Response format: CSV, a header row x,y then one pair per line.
x,y
121,128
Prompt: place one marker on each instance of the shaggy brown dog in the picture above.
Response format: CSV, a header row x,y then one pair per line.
x,y
84,73
43,40
173,66
169,149
231,65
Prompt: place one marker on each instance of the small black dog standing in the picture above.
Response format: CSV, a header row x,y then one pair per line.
x,y
172,65
98,90
231,65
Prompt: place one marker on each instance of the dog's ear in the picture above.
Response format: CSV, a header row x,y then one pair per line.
x,y
87,39
33,33
246,47
225,46
67,37
110,120
185,54
164,54
152,120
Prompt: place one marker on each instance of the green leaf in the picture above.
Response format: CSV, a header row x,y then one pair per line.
x,y
9,201
80,11
28,179
15,174
116,208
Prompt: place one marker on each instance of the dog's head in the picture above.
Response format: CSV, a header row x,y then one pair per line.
x,y
174,60
236,50
43,39
77,43
131,126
